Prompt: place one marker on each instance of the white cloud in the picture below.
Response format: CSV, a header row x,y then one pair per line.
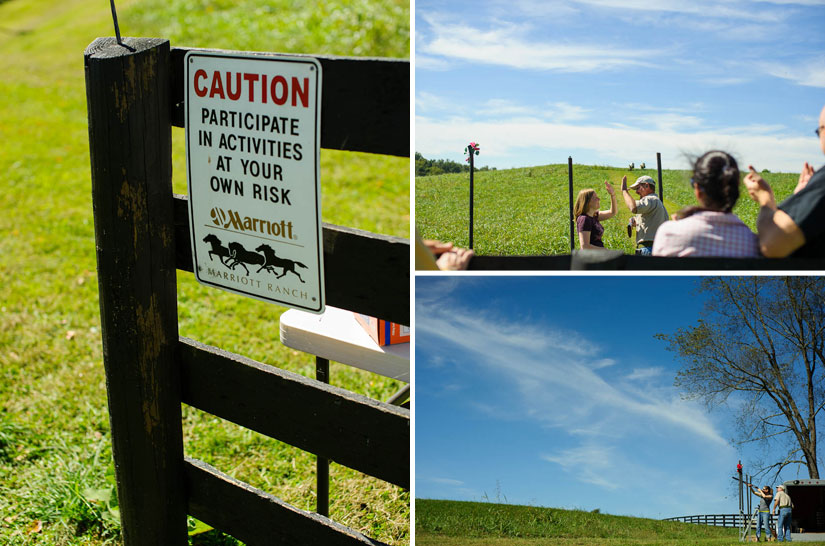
x,y
766,147
590,463
645,373
504,107
446,481
701,9
508,45
556,375
429,62
810,73
667,121
429,102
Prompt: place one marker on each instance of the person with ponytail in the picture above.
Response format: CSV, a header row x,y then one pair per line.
x,y
587,214
710,229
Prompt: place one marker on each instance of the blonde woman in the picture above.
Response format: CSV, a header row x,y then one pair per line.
x,y
588,216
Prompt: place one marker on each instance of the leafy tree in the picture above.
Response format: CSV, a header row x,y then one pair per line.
x,y
429,167
760,344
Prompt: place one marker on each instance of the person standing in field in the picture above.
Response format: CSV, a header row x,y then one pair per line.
x,y
588,216
649,210
784,503
710,229
794,227
764,517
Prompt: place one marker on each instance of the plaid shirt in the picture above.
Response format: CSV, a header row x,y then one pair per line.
x,y
706,233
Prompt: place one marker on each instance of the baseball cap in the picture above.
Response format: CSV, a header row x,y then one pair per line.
x,y
643,180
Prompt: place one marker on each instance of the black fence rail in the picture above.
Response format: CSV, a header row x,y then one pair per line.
x,y
618,260
717,520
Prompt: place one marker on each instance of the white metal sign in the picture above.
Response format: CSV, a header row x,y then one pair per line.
x,y
252,145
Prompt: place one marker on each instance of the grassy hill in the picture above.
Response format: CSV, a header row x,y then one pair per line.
x,y
454,523
525,211
56,476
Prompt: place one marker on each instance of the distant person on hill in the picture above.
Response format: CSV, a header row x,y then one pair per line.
x,y
649,210
764,518
710,229
783,502
795,227
588,216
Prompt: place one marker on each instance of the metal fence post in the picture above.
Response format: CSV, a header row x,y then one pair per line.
x,y
570,194
130,141
659,169
471,199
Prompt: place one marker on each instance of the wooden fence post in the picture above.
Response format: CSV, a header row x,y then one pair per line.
x,y
127,89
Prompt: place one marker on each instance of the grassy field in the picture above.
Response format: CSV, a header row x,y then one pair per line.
x,y
56,475
526,211
453,523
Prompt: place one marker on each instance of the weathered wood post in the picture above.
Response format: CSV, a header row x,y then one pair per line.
x,y
130,139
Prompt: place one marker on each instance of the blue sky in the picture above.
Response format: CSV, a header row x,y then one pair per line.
x,y
552,391
613,81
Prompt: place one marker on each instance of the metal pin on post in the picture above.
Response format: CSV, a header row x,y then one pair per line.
x,y
114,17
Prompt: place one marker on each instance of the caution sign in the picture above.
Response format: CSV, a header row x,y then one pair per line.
x,y
252,145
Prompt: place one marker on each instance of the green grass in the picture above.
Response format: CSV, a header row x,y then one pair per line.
x,y
454,523
56,473
526,211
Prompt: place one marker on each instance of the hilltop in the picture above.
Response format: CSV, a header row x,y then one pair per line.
x,y
525,211
454,523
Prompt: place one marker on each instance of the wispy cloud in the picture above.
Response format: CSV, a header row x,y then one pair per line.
x,y
740,11
645,373
810,73
591,463
445,481
556,374
675,136
506,45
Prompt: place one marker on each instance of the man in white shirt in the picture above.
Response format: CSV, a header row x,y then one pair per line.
x,y
783,501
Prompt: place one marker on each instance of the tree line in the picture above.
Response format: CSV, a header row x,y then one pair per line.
x,y
431,167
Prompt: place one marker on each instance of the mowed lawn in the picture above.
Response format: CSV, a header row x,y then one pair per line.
x,y
526,211
56,473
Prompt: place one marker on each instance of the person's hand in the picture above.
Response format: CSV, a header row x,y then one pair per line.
x,y
437,247
804,176
455,260
759,190
624,183
633,221
609,188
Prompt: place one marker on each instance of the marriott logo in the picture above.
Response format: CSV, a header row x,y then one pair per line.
x,y
232,220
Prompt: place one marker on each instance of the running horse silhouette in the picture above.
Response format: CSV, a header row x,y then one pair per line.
x,y
287,265
242,256
217,248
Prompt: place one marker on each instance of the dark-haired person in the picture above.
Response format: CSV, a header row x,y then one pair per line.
x,y
795,227
764,508
710,229
588,216
649,210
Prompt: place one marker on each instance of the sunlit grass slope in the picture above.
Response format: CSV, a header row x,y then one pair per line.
x,y
454,523
526,211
